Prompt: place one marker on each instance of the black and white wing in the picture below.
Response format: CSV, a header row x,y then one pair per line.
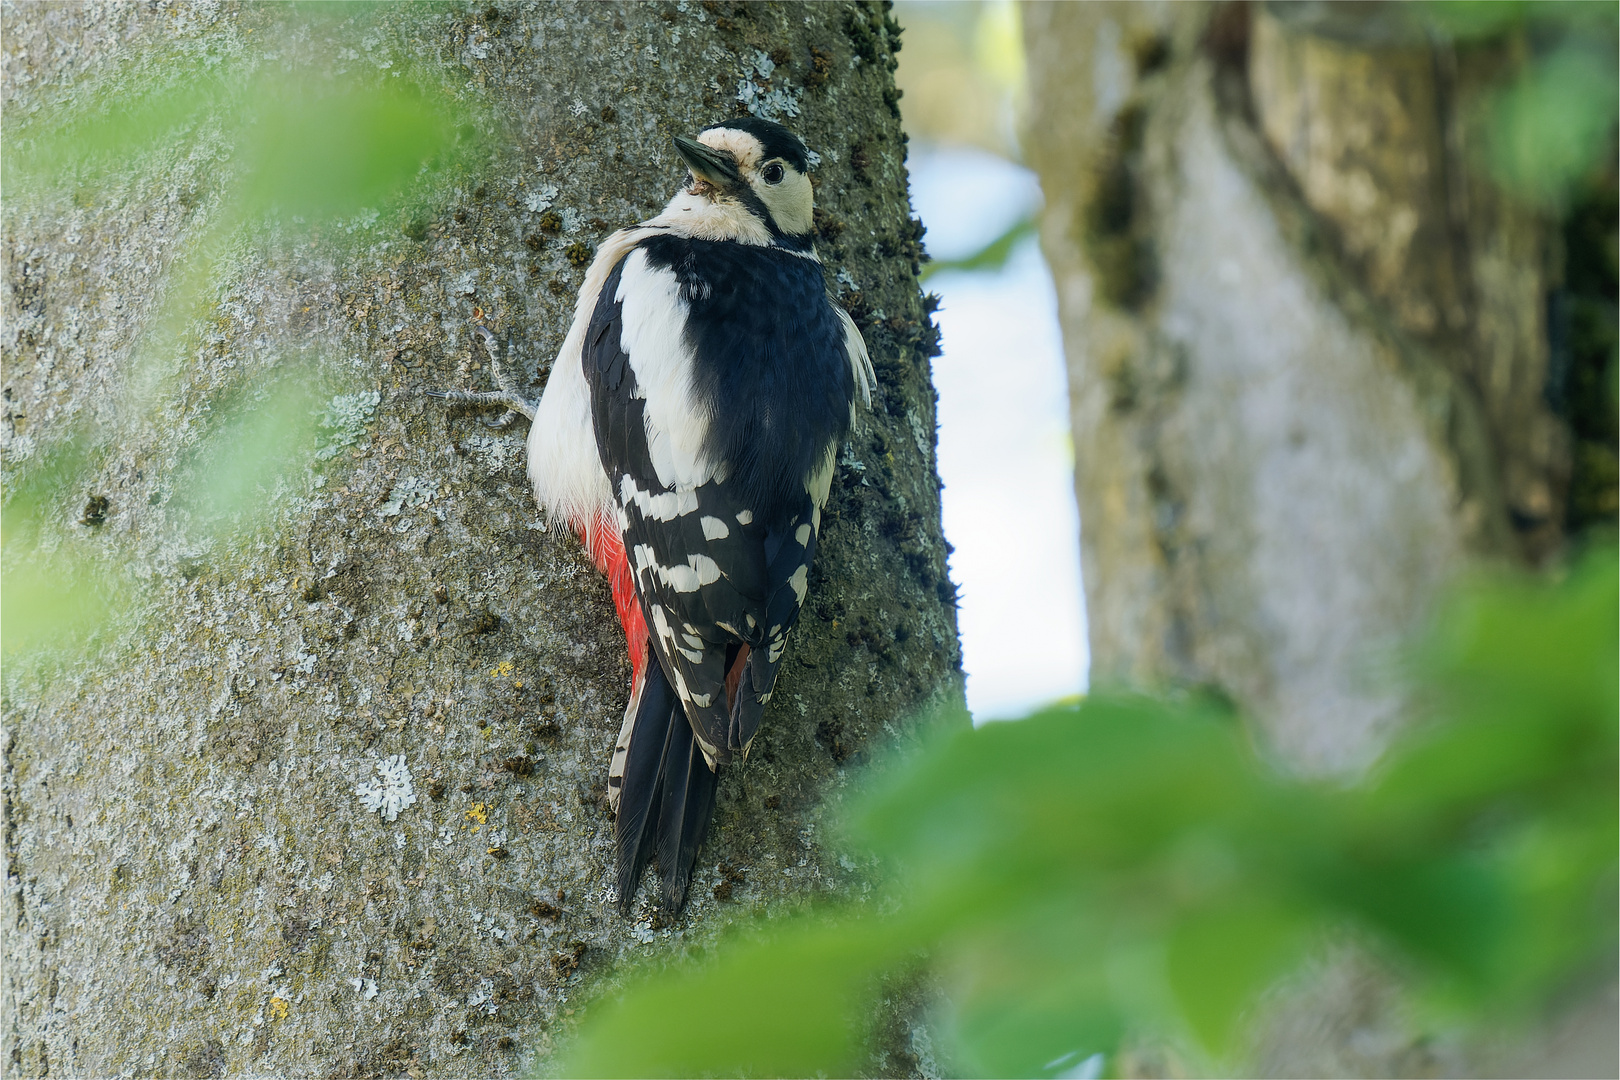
x,y
712,580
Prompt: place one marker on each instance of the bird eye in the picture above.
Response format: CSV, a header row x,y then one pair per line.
x,y
773,173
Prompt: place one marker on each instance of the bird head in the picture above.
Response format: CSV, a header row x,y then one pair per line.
x,y
748,166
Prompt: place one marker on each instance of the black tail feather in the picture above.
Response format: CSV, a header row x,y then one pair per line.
x,y
688,804
668,796
659,710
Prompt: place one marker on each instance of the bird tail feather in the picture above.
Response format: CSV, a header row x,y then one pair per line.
x,y
689,789
667,796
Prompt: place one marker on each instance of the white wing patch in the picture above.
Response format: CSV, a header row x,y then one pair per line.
x,y
799,581
715,529
708,571
663,507
666,633
699,570
653,337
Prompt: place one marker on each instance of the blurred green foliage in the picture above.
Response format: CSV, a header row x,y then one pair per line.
x,y
298,133
255,440
1553,122
1553,126
47,597
307,131
1132,868
993,256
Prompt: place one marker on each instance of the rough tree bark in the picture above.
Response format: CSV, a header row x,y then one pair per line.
x,y
193,886
1308,358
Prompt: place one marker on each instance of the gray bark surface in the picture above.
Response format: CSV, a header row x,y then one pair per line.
x,y
193,886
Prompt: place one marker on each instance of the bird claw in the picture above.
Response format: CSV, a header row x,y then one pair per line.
x,y
516,404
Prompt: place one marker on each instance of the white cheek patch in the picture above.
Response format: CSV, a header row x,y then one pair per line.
x,y
703,218
714,528
791,203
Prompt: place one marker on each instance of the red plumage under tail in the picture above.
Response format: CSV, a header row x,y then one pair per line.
x,y
606,549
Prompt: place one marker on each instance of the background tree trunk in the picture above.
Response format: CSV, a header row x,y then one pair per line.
x,y
194,887
1307,347
1308,359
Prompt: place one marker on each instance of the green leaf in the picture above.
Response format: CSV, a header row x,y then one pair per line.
x,y
1221,957
796,1003
1031,996
61,597
1552,126
330,147
257,440
56,603
115,127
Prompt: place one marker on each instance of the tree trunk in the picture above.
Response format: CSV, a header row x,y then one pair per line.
x,y
194,886
1307,349
1308,357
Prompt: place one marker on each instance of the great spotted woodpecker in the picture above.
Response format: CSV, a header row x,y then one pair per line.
x,y
688,434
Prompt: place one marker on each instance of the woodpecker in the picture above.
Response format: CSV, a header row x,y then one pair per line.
x,y
688,435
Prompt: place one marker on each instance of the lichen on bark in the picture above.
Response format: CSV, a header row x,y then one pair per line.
x,y
194,886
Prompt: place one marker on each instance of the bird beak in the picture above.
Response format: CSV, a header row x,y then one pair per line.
x,y
715,166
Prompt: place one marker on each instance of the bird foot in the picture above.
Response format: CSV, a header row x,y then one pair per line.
x,y
515,403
